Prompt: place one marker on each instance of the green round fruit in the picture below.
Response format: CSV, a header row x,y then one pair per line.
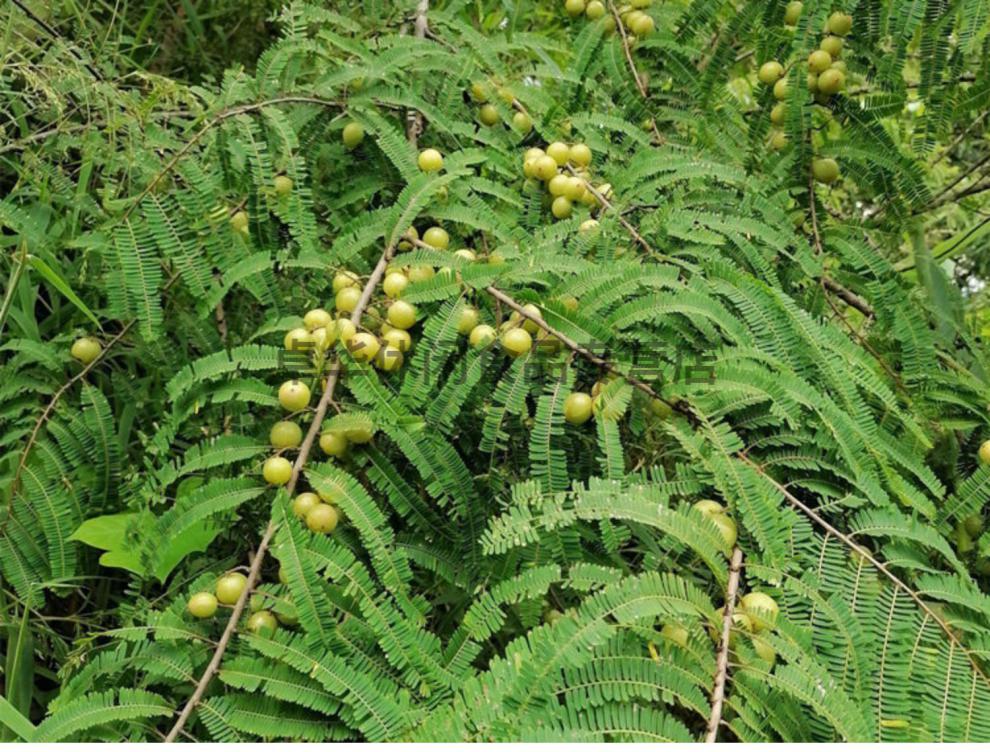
x,y
478,93
770,72
363,347
974,525
345,279
825,170
764,650
577,408
708,507
481,336
322,519
545,167
303,503
574,7
420,273
202,605
299,339
262,623
401,314
779,113
347,299
984,452
594,10
727,527
345,330
86,350
468,320
488,115
437,237
580,155
761,609
778,140
389,359
831,81
792,13
522,122
239,221
558,184
559,152
283,185
588,226
229,588
430,160
353,135
316,318
840,23
642,25
394,284
333,443
277,471
516,341
285,435
780,89
675,633
832,45
466,254
527,323
819,61
561,207
398,339
293,395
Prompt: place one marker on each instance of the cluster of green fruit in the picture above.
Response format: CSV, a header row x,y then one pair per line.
x,y
826,77
488,113
631,14
564,190
228,590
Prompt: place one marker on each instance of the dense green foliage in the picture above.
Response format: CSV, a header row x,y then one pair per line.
x,y
809,353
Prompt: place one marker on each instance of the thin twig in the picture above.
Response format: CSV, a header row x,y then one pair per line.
x,y
722,660
414,118
53,33
259,554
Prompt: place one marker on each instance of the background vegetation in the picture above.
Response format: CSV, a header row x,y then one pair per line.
x,y
497,573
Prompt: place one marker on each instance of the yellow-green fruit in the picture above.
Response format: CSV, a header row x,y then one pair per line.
x,y
559,152
561,207
727,527
353,135
792,14
780,89
641,3
574,7
558,184
533,152
832,45
831,81
825,170
316,318
277,471
437,237
984,452
569,302
740,623
840,23
761,609
299,339
574,189
229,588
86,350
708,507
420,273
408,237
333,443
285,435
522,122
361,434
675,633
605,191
363,347
778,140
239,221
481,336
401,314
430,160
388,359
516,341
293,395
770,72
642,25
580,155
528,324
202,605
322,519
303,503
466,254
764,650
344,279
577,408
812,82
594,10
819,61
488,114
778,113
468,320
545,167
398,339
973,525
589,225
478,93
345,330
283,185
347,299
324,337
552,616
262,623
395,283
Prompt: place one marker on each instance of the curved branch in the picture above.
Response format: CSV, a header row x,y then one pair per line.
x,y
722,661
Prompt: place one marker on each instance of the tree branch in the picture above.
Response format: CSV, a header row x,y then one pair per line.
x,y
722,660
414,118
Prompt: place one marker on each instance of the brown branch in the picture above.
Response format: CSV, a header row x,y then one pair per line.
x,y
259,554
640,84
722,660
414,118
848,296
